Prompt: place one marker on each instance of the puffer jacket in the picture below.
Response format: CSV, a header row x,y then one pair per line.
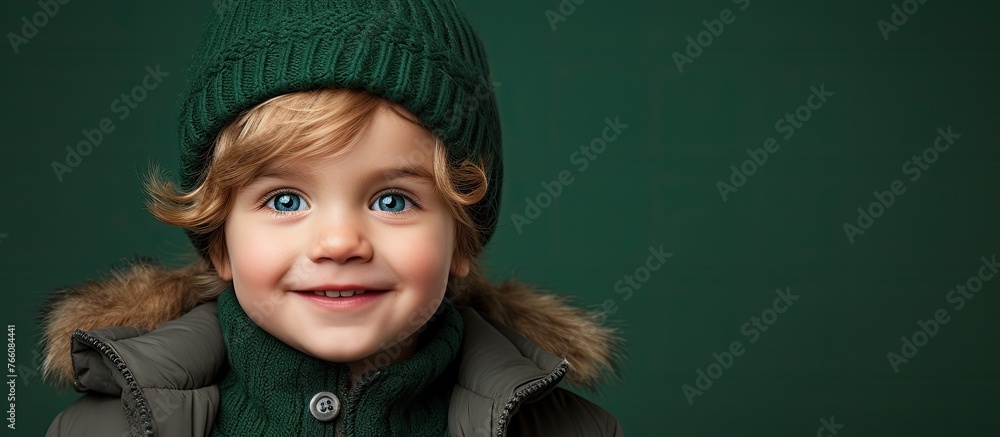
x,y
157,376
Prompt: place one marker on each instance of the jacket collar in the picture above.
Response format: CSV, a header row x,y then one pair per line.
x,y
498,371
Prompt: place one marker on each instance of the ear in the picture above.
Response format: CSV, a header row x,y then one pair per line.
x,y
222,267
459,266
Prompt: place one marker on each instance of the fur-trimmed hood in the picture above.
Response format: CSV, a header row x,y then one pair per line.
x,y
144,294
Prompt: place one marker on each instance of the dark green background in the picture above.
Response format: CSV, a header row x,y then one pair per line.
x,y
655,185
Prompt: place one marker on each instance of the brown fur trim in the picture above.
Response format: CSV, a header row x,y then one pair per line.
x,y
139,293
551,322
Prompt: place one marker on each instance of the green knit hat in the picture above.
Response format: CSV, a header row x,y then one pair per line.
x,y
422,54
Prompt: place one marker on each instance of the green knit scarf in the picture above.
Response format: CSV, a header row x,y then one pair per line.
x,y
267,385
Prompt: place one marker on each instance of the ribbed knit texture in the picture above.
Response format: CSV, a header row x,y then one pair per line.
x,y
422,54
268,385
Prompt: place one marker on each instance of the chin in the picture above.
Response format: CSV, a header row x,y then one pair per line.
x,y
343,353
335,354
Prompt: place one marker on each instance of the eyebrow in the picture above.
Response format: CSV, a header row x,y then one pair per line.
x,y
404,172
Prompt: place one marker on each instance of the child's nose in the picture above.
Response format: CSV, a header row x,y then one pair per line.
x,y
340,242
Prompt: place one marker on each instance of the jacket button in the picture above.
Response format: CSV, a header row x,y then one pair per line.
x,y
324,406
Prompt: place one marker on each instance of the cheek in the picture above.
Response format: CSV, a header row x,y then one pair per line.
x,y
255,260
426,257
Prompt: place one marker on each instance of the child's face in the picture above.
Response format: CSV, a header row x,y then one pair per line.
x,y
345,221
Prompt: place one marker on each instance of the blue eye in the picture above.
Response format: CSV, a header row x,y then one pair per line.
x,y
392,202
286,202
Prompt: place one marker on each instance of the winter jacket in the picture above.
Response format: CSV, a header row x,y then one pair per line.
x,y
162,382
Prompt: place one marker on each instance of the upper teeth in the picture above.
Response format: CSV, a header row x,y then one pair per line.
x,y
338,293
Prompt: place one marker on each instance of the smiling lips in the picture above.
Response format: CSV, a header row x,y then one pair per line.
x,y
330,293
342,300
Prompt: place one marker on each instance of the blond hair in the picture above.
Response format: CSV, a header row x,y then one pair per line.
x,y
304,125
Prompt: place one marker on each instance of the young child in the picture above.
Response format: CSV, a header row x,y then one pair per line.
x,y
341,173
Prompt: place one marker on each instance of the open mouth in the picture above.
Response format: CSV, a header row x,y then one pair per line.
x,y
348,293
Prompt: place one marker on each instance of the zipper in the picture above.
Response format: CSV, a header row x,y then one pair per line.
x,y
525,392
116,360
351,399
